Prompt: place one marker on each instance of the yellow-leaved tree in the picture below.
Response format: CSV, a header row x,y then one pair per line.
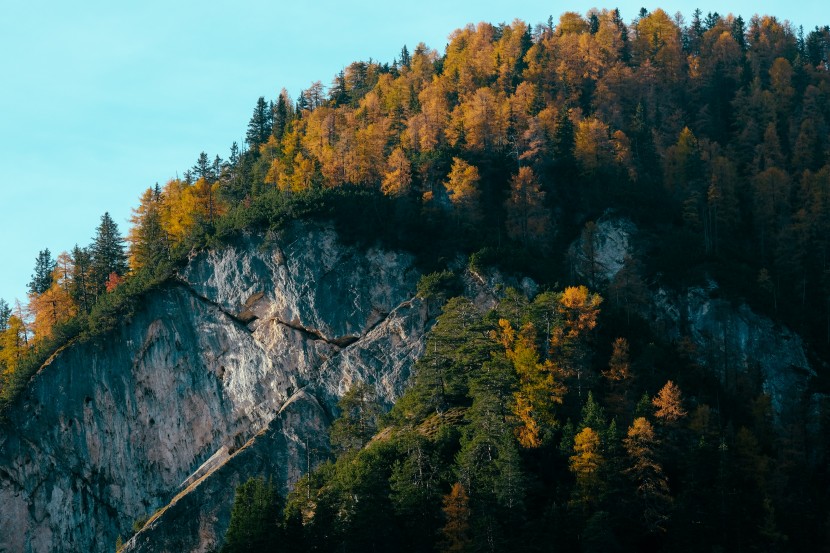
x,y
585,464
54,306
528,220
462,187
539,392
669,403
569,341
398,176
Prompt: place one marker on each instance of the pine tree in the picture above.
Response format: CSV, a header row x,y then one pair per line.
x,y
42,277
107,251
359,414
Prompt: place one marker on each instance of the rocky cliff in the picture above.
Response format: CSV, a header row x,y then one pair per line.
x,y
233,370
730,339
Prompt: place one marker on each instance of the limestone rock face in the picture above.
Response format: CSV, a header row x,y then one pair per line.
x,y
733,340
729,339
230,372
601,254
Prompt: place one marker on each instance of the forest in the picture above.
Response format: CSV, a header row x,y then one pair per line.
x,y
560,421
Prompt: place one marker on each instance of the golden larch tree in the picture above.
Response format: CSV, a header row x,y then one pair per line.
x,y
585,464
462,187
669,403
528,220
647,474
398,176
456,531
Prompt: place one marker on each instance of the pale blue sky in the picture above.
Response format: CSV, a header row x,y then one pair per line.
x,y
99,100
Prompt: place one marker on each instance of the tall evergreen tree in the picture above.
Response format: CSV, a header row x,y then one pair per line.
x,y
5,313
254,515
42,277
107,251
203,169
80,286
281,114
149,241
259,127
406,59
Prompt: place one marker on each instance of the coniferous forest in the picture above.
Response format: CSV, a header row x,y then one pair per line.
x,y
562,421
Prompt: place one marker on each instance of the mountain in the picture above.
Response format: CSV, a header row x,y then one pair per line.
x,y
562,285
254,342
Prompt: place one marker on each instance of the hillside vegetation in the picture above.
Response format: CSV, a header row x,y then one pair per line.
x,y
558,421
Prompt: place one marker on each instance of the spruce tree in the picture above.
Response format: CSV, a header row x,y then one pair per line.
x,y
107,251
80,287
259,127
253,525
202,169
5,313
42,277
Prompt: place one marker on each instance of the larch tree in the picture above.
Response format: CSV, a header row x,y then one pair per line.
x,y
528,220
619,377
49,309
669,404
149,242
14,343
579,310
462,187
585,464
456,531
398,177
651,483
538,391
619,366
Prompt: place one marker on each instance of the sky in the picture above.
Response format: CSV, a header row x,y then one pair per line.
x,y
100,100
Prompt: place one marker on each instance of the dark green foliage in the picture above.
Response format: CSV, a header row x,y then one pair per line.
x,y
439,285
281,115
81,288
203,168
42,277
107,252
358,421
5,313
151,244
256,518
260,125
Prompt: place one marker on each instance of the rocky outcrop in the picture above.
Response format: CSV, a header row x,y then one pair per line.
x,y
231,371
733,340
730,339
601,251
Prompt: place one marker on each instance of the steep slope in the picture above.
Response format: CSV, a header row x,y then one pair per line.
x,y
110,431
